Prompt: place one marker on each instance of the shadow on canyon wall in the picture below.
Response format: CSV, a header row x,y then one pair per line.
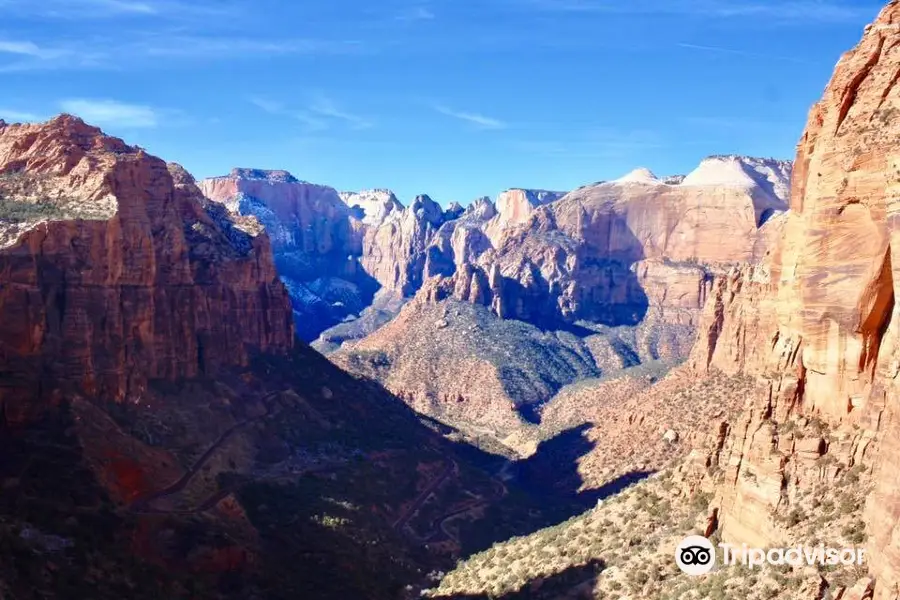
x,y
545,490
324,292
594,251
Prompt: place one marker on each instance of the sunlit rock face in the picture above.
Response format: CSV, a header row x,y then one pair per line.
x,y
316,239
119,271
817,320
372,207
608,252
613,274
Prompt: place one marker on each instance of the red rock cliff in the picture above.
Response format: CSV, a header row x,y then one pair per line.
x,y
119,271
817,321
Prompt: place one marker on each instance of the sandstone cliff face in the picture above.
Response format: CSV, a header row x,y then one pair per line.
x,y
394,253
334,251
118,271
157,416
622,267
611,252
299,216
515,207
817,321
372,207
316,239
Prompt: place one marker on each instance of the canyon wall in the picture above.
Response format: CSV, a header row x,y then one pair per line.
x,y
612,252
816,322
117,270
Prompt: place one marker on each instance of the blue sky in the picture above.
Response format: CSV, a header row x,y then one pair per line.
x,y
454,98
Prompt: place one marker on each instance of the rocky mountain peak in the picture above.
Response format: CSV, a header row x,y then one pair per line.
x,y
67,133
274,176
743,171
277,190
376,205
454,211
424,208
483,207
515,205
641,176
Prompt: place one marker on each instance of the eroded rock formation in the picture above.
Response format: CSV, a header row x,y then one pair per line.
x,y
615,274
117,270
609,252
334,251
817,321
317,240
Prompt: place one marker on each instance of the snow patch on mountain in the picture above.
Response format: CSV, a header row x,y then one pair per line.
x,y
640,176
377,205
772,176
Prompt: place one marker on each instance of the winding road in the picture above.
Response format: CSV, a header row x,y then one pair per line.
x,y
401,522
141,505
437,526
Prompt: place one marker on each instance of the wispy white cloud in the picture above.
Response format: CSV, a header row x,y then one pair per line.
x,y
24,55
156,49
324,106
416,13
269,106
120,6
775,11
736,52
274,107
202,47
112,113
106,9
18,116
320,115
25,48
479,120
803,10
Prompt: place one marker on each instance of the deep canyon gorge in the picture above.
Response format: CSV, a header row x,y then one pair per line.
x,y
253,386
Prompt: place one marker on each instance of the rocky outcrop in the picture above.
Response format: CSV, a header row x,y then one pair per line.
x,y
610,252
817,322
335,251
118,271
316,239
157,416
394,253
625,267
299,216
515,207
372,207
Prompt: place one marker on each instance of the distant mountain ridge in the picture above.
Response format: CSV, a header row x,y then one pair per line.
x,y
336,250
628,263
637,254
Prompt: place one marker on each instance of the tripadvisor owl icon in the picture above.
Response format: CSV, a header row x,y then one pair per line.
x,y
695,555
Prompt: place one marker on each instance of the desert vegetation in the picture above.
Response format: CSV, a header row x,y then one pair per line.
x,y
631,539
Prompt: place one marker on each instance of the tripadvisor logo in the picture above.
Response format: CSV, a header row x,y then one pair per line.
x,y
696,555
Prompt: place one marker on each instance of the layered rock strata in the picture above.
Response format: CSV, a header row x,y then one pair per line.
x,y
118,271
817,321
